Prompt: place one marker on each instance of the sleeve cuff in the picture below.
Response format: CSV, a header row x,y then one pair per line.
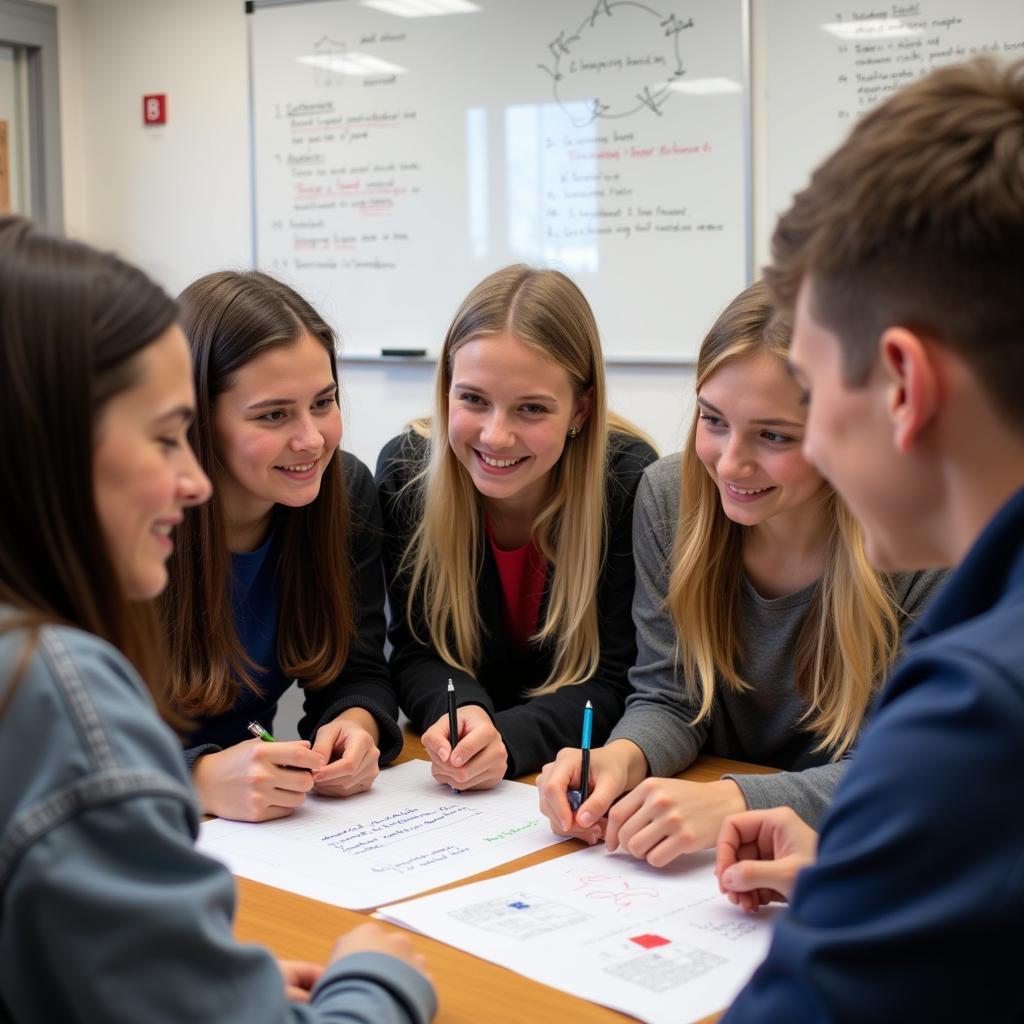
x,y
192,754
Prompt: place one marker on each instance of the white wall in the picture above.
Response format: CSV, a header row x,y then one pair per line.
x,y
176,199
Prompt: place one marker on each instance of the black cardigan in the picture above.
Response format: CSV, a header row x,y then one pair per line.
x,y
533,729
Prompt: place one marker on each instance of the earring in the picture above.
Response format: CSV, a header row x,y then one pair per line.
x,y
574,432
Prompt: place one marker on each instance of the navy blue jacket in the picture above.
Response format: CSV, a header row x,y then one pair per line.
x,y
916,904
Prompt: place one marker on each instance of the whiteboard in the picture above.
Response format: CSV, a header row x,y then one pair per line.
x,y
399,160
826,63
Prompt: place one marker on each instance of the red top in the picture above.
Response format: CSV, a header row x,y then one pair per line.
x,y
524,573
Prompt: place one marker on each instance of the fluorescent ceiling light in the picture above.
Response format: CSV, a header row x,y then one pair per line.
x,y
871,28
422,8
352,64
706,86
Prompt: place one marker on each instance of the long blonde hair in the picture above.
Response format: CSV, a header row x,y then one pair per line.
x,y
850,635
544,309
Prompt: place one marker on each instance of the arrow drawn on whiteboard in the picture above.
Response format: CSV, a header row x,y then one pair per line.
x,y
620,60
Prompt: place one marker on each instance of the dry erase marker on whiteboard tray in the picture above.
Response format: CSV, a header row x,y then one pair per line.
x,y
260,733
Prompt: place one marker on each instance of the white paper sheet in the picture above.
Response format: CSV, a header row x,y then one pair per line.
x,y
661,945
406,835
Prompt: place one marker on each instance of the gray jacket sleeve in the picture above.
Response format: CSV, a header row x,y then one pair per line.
x,y
110,914
658,715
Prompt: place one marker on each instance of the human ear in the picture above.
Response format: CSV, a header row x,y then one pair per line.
x,y
912,383
584,403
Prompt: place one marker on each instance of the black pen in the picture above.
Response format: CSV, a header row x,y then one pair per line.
x,y
588,722
453,718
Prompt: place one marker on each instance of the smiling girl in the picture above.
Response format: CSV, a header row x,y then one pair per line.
x,y
508,545
278,579
762,630
110,914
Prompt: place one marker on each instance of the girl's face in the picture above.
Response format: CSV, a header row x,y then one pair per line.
x,y
144,473
749,435
510,411
277,427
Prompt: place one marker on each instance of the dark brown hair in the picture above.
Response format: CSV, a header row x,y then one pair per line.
x,y
917,220
230,318
72,322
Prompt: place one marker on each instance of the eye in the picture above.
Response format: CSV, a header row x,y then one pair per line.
x,y
712,421
169,442
274,416
774,438
469,398
325,403
533,409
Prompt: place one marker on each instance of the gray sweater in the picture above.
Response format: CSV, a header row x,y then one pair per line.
x,y
110,914
761,725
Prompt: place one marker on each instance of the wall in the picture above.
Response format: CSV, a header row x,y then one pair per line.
x,y
177,198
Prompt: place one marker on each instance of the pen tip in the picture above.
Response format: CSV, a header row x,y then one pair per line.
x,y
589,705
451,685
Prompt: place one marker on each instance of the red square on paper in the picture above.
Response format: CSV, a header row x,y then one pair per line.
x,y
649,941
154,109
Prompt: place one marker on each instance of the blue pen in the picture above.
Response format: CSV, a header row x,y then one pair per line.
x,y
588,724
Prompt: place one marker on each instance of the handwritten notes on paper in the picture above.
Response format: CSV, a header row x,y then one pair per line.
x,y
406,835
661,945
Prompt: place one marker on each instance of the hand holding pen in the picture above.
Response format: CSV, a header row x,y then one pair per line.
x,y
256,780
477,759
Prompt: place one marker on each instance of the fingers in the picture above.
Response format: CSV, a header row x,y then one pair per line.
x,y
555,780
435,741
290,754
355,770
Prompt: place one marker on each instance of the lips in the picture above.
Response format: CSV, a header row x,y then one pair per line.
x,y
499,463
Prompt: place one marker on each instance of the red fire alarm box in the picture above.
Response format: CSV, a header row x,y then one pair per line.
x,y
154,109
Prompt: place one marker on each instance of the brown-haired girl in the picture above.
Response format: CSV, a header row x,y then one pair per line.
x,y
278,578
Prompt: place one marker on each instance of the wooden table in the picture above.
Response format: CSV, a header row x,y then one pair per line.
x,y
469,990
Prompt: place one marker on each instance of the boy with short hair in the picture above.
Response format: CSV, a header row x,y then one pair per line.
x,y
904,262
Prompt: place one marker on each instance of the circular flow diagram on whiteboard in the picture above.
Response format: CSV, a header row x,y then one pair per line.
x,y
595,74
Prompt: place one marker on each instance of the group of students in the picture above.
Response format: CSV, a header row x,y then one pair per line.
x,y
182,538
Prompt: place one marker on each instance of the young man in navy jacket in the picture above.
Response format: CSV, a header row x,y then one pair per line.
x,y
904,262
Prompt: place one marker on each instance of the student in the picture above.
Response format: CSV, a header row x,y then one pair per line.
x,y
279,577
762,630
902,259
508,534
109,912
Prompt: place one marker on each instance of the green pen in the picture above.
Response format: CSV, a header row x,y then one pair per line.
x,y
260,733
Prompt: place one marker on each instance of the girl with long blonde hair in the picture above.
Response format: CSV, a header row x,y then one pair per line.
x,y
762,629
507,520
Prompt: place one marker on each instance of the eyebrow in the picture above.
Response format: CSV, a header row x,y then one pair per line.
x,y
274,402
704,403
185,413
550,399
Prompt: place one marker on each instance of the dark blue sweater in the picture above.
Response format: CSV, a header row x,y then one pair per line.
x,y
365,681
915,906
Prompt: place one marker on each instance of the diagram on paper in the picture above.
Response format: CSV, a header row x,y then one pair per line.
x,y
520,915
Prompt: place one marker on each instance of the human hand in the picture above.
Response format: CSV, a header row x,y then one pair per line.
x,y
255,780
375,938
760,854
348,745
479,759
663,818
299,978
613,769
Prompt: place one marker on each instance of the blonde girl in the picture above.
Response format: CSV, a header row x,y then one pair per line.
x,y
507,520
762,629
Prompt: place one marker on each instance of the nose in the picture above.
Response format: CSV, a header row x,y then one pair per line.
x,y
735,462
496,432
194,485
307,437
